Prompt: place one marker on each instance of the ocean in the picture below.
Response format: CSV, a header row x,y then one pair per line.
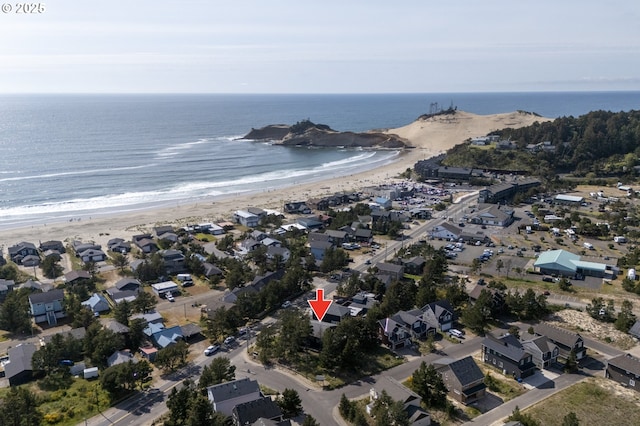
x,y
69,156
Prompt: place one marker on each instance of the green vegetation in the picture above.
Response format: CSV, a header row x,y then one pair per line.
x,y
593,401
597,144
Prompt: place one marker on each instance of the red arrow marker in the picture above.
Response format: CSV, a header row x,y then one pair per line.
x,y
320,305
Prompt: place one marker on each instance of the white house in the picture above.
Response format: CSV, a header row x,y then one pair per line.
x,y
164,287
447,231
245,218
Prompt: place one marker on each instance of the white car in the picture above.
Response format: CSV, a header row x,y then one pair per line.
x,y
286,304
456,333
169,297
229,340
211,350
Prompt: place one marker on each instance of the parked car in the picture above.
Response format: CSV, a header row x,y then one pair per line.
x,y
169,297
456,333
211,350
286,304
229,340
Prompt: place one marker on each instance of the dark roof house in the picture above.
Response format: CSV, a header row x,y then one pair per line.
x,y
464,379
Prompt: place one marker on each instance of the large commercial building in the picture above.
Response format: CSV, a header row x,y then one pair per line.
x,y
567,264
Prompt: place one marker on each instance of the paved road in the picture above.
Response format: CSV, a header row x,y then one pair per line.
x,y
531,397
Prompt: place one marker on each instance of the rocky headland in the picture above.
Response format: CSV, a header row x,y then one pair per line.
x,y
307,133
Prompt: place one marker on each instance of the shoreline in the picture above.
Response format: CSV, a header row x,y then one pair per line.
x,y
428,137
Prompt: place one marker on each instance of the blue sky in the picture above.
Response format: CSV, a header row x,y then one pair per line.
x,y
284,46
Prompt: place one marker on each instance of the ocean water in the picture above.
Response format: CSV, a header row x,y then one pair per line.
x,y
68,156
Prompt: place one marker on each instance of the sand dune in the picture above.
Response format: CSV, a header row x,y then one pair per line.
x,y
429,137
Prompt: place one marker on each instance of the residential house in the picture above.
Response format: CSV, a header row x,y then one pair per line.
x,y
497,296
360,303
211,270
77,277
446,231
310,222
116,327
544,353
225,396
22,250
150,317
190,330
398,392
80,246
334,314
383,202
262,280
164,287
624,369
336,237
297,207
270,242
163,229
121,357
75,333
393,334
282,252
414,265
174,261
119,245
92,255
6,286
167,336
54,245
318,248
128,284
145,243
31,260
508,354
247,413
245,218
363,235
47,307
36,286
97,303
18,370
463,378
439,315
395,271
565,340
257,211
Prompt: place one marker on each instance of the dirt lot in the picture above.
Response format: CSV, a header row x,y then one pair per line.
x,y
583,323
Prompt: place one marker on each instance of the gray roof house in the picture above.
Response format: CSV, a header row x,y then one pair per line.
x,y
398,392
508,355
225,396
439,315
248,412
565,340
97,303
120,357
544,352
395,271
624,369
18,370
463,379
47,306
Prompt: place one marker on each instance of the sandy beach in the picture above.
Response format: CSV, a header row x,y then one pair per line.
x,y
429,137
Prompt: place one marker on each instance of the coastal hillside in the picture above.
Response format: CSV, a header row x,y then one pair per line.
x,y
597,144
438,133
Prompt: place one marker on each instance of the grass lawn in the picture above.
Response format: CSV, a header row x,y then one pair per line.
x,y
596,401
379,360
67,407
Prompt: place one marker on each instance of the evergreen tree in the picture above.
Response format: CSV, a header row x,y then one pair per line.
x,y
571,419
220,370
428,383
290,403
19,407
